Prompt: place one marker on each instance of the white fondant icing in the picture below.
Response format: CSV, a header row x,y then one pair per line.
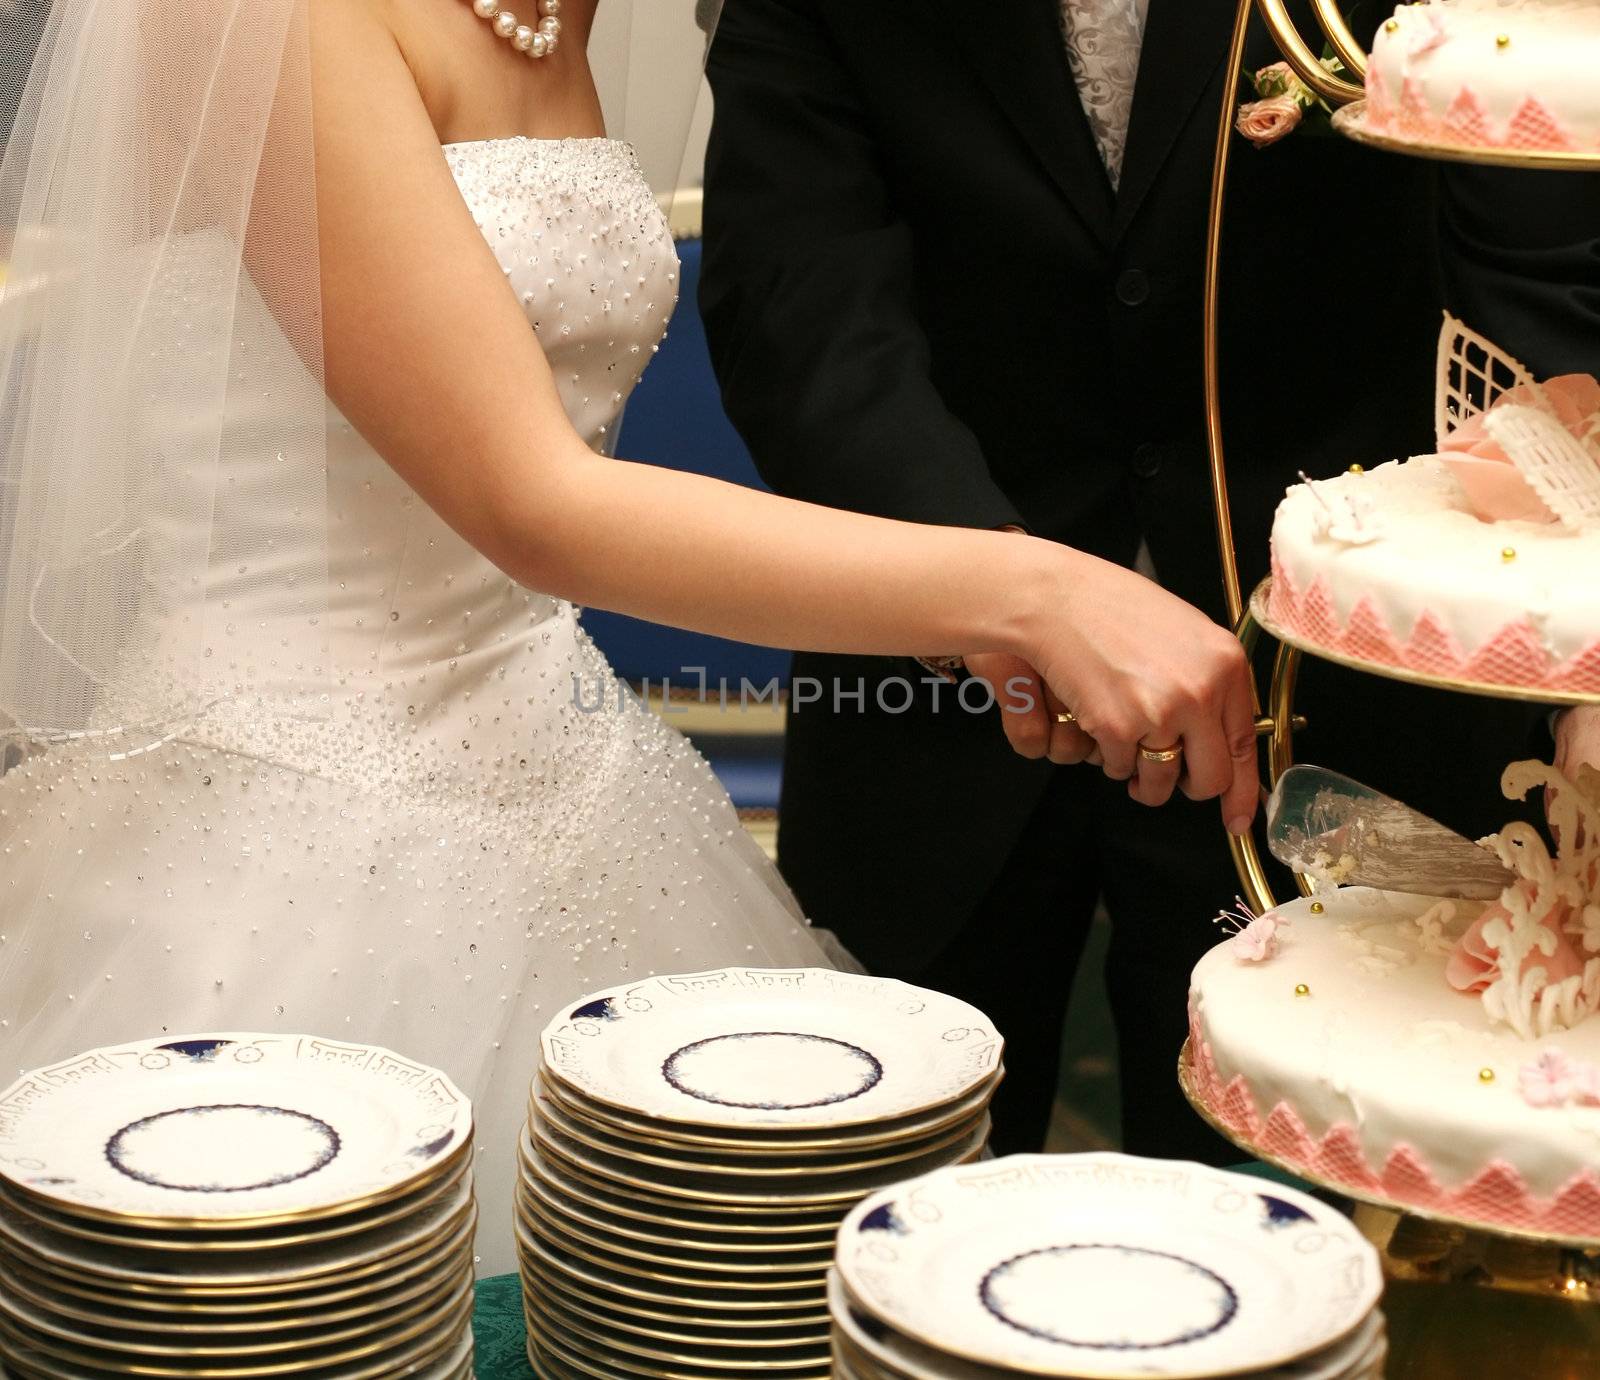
x,y
1394,1055
1436,556
1451,46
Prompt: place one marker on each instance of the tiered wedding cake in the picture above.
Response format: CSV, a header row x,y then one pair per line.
x,y
1442,1055
1475,564
1489,74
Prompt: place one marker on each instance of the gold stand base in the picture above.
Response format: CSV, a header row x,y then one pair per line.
x,y
1419,1251
1463,1304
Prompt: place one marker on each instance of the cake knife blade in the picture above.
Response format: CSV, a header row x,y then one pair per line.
x,y
1338,830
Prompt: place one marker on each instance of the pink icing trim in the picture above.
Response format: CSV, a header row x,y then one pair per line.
x,y
1497,1195
1513,656
1415,118
1467,122
1533,125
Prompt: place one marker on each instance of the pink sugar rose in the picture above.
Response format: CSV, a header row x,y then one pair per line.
x,y
1266,122
1471,967
1495,488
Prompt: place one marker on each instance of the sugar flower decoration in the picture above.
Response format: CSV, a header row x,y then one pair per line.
x,y
1252,938
1554,1080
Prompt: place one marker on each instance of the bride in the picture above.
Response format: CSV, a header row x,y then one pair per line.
x,y
299,414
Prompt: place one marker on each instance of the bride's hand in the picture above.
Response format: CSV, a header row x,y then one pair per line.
x,y
1138,668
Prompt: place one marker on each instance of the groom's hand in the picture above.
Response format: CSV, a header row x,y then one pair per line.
x,y
1577,746
1577,740
1029,711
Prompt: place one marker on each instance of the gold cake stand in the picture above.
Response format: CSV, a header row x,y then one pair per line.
x,y
1465,1298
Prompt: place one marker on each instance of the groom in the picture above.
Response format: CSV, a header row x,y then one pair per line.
x,y
954,262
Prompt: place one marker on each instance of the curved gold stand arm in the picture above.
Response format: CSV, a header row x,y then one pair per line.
x,y
1221,508
1298,54
1342,41
1279,724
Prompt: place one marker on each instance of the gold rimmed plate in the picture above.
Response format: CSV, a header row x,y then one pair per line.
x,y
652,1131
807,1219
536,1273
291,1330
578,1159
29,1309
594,1359
256,1242
772,1049
229,1131
673,1233
1352,122
682,1254
226,1276
541,1253
796,1163
787,1194
587,1334
676,1273
177,1310
679,1331
420,1342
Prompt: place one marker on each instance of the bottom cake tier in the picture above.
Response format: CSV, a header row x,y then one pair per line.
x,y
1345,1055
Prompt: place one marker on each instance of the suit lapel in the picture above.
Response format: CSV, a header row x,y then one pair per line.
x,y
1185,42
1017,50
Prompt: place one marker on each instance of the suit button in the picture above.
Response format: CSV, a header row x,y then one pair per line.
x,y
1133,287
1147,461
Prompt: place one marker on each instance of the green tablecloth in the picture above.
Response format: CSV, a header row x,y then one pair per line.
x,y
497,1329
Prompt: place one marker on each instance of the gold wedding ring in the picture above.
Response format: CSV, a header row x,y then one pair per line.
x,y
1161,755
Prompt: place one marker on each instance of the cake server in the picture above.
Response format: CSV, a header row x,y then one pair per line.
x,y
1337,830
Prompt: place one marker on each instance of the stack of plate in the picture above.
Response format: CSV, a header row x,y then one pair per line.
x,y
1102,1266
693,1144
228,1205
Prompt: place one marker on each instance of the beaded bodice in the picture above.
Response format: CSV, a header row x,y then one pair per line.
x,y
431,668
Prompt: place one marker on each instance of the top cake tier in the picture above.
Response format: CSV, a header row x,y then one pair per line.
x,y
1487,75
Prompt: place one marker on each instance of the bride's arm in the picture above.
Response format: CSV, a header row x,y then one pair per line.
x,y
429,354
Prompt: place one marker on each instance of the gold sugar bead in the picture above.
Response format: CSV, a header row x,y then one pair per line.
x,y
1391,26
1485,1075
1316,908
1358,469
1508,554
1301,990
1502,40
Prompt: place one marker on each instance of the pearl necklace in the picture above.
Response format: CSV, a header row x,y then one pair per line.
x,y
536,43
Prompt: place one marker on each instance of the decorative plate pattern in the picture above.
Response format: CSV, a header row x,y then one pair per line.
x,y
1051,1265
798,1048
219,1130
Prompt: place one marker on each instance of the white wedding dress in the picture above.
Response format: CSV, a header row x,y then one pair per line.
x,y
450,823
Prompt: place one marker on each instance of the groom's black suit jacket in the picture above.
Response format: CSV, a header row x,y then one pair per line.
x,y
925,301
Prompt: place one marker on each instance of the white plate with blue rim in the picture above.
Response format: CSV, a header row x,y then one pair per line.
x,y
798,1047
231,1130
1108,1267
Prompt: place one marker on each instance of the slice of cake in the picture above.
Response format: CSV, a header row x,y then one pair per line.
x,y
1479,563
1443,1056
1488,74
